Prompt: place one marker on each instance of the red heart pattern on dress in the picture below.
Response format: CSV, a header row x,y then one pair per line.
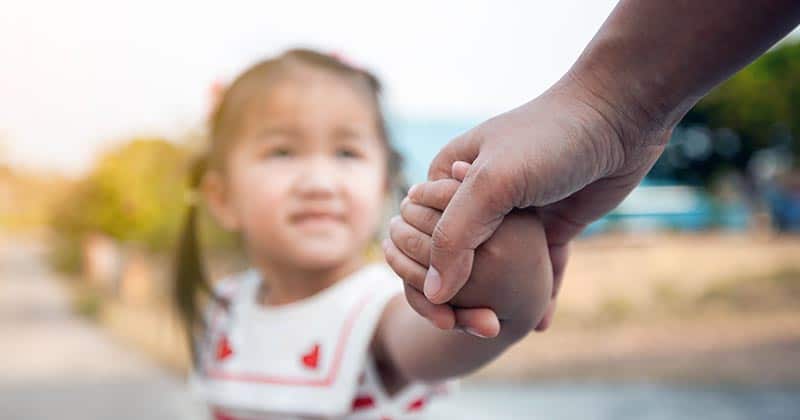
x,y
311,359
416,405
362,402
224,349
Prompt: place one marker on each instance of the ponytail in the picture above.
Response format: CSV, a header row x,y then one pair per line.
x,y
191,281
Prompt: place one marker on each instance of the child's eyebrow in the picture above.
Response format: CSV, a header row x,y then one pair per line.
x,y
275,131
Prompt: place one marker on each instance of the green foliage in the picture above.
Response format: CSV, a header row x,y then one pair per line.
x,y
757,108
88,304
135,194
764,95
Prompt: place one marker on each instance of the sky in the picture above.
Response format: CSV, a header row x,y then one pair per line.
x,y
77,77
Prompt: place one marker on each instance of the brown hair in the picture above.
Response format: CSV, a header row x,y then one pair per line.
x,y
192,287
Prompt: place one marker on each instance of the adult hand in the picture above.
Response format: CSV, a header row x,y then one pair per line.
x,y
564,153
577,150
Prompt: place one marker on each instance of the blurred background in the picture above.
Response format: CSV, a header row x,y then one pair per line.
x,y
682,303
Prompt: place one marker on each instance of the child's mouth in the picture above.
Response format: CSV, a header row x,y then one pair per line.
x,y
316,219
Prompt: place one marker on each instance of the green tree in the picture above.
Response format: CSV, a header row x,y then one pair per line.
x,y
763,97
135,193
757,108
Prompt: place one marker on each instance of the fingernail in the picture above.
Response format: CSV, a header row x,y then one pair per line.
x,y
470,331
443,325
412,189
433,282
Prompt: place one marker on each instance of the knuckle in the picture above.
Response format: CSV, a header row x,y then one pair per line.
x,y
430,217
413,244
494,188
440,196
421,193
394,225
404,205
408,211
397,232
391,259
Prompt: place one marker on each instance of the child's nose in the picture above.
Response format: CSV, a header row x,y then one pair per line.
x,y
318,178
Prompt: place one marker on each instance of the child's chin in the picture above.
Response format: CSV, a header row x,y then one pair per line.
x,y
319,259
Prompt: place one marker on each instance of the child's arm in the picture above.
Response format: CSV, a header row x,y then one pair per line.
x,y
409,346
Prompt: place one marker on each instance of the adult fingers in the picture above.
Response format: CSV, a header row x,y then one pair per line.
x,y
473,214
545,323
558,259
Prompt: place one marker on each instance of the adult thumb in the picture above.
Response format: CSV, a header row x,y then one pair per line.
x,y
471,217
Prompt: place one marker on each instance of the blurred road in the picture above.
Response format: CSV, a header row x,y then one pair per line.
x,y
54,365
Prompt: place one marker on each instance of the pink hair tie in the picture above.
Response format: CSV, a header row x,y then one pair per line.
x,y
345,60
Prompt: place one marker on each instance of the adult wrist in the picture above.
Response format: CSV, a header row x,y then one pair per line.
x,y
632,119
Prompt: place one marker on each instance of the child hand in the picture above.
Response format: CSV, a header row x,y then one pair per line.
x,y
511,279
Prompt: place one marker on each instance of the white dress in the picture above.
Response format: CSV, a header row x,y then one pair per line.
x,y
304,360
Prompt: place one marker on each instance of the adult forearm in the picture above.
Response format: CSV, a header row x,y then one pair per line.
x,y
652,60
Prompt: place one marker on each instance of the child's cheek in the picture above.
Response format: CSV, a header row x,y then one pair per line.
x,y
367,200
263,203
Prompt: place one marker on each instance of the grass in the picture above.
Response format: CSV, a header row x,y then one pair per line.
x,y
779,289
614,310
88,304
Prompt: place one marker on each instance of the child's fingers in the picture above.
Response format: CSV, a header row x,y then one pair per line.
x,y
409,270
413,243
435,194
480,322
459,169
421,217
413,275
442,316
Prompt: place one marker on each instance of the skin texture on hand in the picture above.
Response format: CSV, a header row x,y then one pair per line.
x,y
567,149
577,150
512,282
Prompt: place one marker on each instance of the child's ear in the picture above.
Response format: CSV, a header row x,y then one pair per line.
x,y
216,196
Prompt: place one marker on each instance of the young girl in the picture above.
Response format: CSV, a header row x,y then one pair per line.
x,y
300,166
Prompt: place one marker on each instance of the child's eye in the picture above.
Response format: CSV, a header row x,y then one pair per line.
x,y
347,153
280,152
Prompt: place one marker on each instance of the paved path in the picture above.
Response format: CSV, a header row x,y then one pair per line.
x,y
54,365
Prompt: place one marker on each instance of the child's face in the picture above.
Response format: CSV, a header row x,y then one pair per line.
x,y
306,180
